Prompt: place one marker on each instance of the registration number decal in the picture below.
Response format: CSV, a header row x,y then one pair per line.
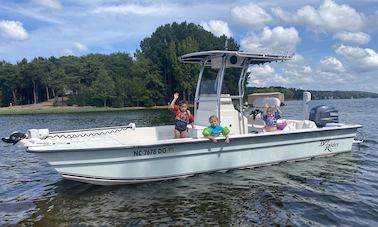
x,y
153,151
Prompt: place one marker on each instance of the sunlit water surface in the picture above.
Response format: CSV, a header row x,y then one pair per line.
x,y
337,190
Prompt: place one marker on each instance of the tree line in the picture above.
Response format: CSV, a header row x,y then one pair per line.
x,y
148,78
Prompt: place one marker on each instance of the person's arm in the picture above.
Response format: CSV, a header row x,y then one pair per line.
x,y
192,124
191,119
227,140
175,97
278,109
278,113
212,139
264,117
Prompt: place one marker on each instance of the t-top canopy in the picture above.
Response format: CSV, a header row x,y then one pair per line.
x,y
233,58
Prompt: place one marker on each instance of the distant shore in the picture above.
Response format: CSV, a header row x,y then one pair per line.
x,y
47,109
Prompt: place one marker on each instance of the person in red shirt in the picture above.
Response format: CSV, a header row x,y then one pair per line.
x,y
183,117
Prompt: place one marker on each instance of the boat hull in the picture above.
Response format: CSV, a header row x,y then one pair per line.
x,y
136,164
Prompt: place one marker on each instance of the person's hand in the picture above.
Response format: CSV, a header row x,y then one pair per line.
x,y
176,95
227,140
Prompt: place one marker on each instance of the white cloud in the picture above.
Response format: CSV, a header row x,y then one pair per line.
x,y
353,37
361,60
67,52
303,76
329,17
331,64
276,39
81,47
217,27
283,15
306,69
297,59
13,30
329,75
251,15
324,77
265,76
137,9
298,72
264,70
53,4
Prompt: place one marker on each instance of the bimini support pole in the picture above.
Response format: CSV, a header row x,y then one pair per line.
x,y
241,96
196,98
220,82
306,101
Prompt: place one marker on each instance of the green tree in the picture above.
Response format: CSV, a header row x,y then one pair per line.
x,y
10,82
169,42
136,89
103,87
152,81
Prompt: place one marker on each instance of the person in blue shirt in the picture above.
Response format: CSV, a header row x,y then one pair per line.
x,y
214,130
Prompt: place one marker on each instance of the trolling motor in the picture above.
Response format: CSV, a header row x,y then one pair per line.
x,y
14,138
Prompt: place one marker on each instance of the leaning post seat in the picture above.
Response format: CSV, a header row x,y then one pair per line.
x,y
257,103
229,116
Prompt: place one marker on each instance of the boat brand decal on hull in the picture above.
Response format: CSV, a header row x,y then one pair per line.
x,y
328,145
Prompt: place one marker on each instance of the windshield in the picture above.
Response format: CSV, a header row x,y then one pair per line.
x,y
230,81
209,81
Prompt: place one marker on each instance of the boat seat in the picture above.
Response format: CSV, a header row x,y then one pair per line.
x,y
256,125
292,125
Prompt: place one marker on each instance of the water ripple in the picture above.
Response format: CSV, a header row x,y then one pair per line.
x,y
334,191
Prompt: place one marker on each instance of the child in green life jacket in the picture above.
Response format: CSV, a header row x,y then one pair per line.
x,y
215,130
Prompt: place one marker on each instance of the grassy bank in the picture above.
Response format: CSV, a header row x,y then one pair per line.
x,y
19,110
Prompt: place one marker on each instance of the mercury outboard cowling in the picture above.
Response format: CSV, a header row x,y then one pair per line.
x,y
322,115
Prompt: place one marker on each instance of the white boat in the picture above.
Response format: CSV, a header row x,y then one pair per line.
x,y
130,154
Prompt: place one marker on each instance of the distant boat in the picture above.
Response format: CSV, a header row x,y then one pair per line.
x,y
130,154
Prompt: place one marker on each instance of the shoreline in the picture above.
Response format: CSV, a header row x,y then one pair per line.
x,y
37,109
48,108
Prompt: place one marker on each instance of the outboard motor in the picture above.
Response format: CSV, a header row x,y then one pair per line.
x,y
322,115
14,137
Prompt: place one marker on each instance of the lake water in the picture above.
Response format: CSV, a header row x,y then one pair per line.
x,y
337,190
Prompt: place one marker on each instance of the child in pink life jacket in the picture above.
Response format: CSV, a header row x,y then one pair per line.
x,y
183,117
270,118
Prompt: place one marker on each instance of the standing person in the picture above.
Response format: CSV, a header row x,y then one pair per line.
x,y
270,118
215,130
183,117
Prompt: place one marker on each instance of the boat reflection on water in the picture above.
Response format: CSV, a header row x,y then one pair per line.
x,y
272,195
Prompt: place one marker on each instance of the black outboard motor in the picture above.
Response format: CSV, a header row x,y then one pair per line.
x,y
322,115
14,137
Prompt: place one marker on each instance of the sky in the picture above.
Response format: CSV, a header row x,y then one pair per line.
x,y
335,42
